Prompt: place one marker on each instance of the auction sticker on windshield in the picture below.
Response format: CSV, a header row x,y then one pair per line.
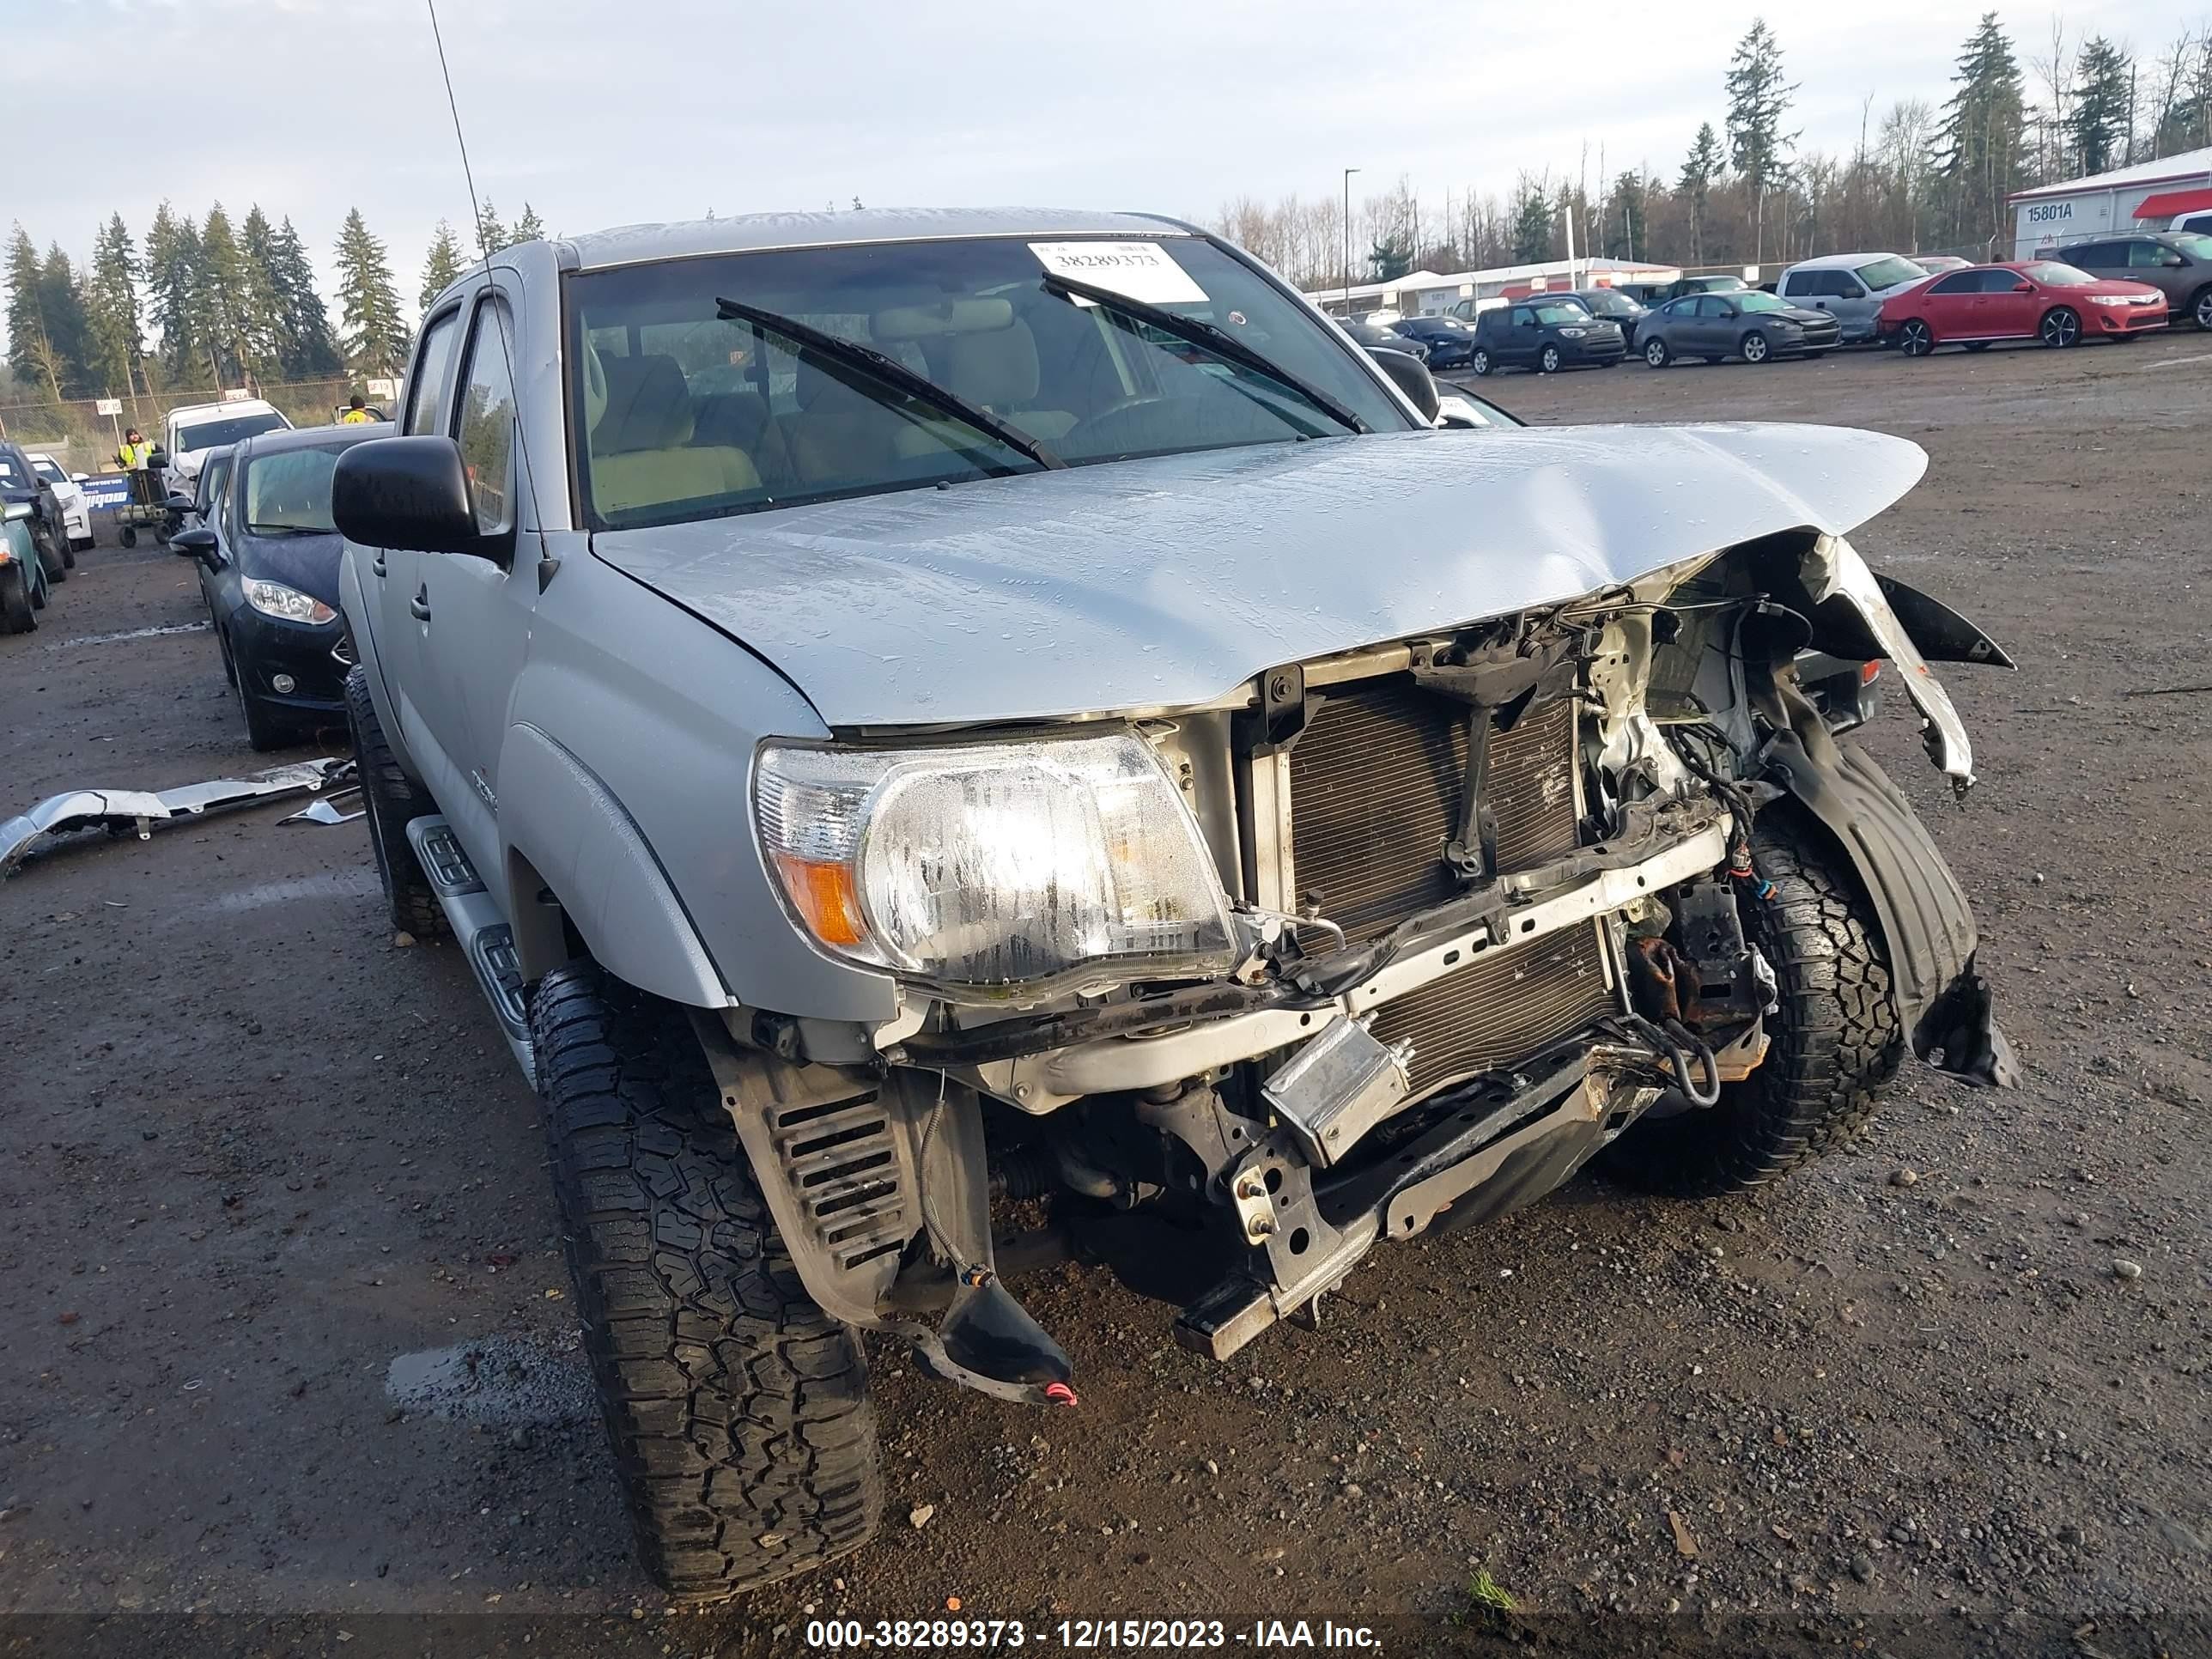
x,y
1142,271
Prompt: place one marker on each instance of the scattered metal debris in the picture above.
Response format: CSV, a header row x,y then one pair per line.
x,y
338,806
165,628
119,810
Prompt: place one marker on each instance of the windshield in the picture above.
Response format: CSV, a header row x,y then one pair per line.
x,y
1606,303
2052,274
2196,246
289,493
1888,271
11,474
690,414
1753,299
209,435
1562,311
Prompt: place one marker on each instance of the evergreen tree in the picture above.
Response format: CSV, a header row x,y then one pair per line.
x,y
61,300
1701,170
1979,144
1532,224
173,284
444,264
1758,98
1623,234
491,236
113,338
376,334
529,228
2104,102
222,299
306,349
1389,258
31,353
261,313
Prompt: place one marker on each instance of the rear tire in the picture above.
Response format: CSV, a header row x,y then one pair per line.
x,y
2200,308
17,614
1835,1037
1915,339
392,800
1478,363
738,1411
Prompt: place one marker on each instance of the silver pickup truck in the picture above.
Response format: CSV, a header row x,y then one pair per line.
x,y
1322,815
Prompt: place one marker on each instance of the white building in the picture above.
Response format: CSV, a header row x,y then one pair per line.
x,y
1429,293
2147,196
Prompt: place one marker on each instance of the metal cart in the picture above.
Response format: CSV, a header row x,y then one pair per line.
x,y
148,505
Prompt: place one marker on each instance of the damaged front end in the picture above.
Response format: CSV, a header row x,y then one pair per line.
x,y
1398,935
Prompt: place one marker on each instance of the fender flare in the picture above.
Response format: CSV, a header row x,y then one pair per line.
x,y
1927,927
576,836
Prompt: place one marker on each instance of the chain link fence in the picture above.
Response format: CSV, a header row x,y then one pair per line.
x,y
82,439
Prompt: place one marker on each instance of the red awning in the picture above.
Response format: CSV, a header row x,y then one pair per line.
x,y
2171,204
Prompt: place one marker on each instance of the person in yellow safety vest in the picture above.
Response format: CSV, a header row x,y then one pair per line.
x,y
356,412
131,454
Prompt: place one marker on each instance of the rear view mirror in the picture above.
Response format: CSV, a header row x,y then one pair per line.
x,y
409,492
1411,377
194,544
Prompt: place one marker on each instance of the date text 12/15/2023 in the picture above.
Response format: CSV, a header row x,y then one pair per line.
x,y
1081,1635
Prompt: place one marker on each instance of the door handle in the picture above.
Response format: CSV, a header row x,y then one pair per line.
x,y
419,606
376,564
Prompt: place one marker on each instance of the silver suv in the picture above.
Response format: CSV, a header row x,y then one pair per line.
x,y
904,712
2179,261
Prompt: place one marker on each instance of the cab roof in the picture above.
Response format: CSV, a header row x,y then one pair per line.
x,y
751,233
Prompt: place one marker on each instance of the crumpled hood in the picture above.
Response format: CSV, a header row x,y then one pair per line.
x,y
1155,583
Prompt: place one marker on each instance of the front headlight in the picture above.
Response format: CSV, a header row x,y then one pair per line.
x,y
2115,299
287,604
995,866
1572,333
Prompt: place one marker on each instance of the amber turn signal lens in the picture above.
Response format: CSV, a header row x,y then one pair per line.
x,y
827,901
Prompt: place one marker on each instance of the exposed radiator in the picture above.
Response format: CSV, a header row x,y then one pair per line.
x,y
1375,795
1501,1008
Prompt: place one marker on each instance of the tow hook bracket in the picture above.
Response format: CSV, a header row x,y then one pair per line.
x,y
1334,1090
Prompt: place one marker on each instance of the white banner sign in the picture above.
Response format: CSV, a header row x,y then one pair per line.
x,y
109,405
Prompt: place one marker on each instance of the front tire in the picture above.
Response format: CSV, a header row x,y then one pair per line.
x,y
393,800
1835,1036
1753,349
2060,328
1548,361
738,1411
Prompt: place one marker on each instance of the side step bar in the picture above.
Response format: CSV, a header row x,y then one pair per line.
x,y
483,933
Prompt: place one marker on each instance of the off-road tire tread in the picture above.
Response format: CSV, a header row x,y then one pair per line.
x,y
1835,1039
392,799
738,1410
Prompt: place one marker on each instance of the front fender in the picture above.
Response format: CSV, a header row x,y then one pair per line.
x,y
572,836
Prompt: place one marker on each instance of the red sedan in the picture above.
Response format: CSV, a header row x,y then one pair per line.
x,y
2032,300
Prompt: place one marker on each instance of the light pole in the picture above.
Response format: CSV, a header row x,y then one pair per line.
x,y
1348,171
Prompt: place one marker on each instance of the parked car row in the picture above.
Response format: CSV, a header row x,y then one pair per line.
x,y
41,508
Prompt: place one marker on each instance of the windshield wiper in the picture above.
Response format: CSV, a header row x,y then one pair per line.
x,y
888,371
1207,338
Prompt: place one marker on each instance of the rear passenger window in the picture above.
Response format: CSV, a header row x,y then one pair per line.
x,y
1958,282
2091,254
483,423
426,390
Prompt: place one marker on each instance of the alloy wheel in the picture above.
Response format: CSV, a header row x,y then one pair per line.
x,y
1479,362
2061,328
1915,340
1655,353
2202,310
1550,360
1754,347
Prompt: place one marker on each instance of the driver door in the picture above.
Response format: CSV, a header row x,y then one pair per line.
x,y
1520,337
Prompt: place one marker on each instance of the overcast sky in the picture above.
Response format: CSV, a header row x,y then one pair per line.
x,y
608,111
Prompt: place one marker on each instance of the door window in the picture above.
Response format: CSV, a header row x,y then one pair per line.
x,y
2090,255
2146,256
425,389
1710,304
484,419
1958,282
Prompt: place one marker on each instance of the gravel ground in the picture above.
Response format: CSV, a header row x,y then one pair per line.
x,y
289,1358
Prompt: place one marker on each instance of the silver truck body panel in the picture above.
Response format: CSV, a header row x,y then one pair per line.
x,y
1160,583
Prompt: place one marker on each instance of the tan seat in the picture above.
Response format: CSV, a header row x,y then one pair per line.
x,y
640,427
984,352
840,436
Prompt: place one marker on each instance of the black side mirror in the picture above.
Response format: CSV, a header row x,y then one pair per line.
x,y
1411,376
181,504
409,492
199,544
